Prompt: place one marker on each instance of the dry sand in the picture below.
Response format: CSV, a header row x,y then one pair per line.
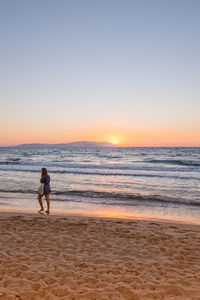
x,y
51,257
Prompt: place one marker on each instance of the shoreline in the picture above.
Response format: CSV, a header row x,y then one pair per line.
x,y
9,210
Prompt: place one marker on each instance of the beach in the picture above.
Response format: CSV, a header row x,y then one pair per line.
x,y
80,257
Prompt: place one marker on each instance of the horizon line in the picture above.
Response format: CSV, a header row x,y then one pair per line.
x,y
113,145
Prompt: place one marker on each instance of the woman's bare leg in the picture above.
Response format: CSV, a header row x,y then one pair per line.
x,y
48,204
41,203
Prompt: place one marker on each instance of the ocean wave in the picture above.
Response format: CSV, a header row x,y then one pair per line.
x,y
125,197
64,167
123,164
15,162
108,174
109,198
190,163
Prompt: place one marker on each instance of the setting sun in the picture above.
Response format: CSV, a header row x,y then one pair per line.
x,y
114,140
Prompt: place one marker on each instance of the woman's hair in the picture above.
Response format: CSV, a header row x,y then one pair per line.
x,y
43,172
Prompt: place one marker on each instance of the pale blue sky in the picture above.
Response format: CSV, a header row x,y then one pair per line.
x,y
77,64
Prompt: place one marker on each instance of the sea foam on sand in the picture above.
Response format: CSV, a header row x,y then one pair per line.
x,y
74,257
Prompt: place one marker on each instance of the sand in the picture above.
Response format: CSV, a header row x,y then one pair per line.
x,y
74,257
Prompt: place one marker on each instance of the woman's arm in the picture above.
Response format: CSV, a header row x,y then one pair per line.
x,y
45,179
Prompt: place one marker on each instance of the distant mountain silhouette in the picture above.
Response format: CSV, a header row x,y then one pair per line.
x,y
86,144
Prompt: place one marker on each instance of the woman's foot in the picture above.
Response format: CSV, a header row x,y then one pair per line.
x,y
47,212
41,211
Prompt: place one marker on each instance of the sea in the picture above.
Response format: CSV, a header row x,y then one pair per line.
x,y
121,182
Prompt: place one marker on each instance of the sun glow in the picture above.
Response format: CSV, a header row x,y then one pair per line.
x,y
114,140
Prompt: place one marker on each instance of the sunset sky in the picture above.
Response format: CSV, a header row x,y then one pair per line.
x,y
116,71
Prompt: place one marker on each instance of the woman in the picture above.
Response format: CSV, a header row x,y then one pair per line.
x,y
45,178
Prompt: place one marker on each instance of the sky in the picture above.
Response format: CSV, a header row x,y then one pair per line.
x,y
116,71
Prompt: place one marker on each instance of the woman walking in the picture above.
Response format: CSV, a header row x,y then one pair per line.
x,y
46,190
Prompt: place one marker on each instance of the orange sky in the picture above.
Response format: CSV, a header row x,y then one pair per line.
x,y
121,137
